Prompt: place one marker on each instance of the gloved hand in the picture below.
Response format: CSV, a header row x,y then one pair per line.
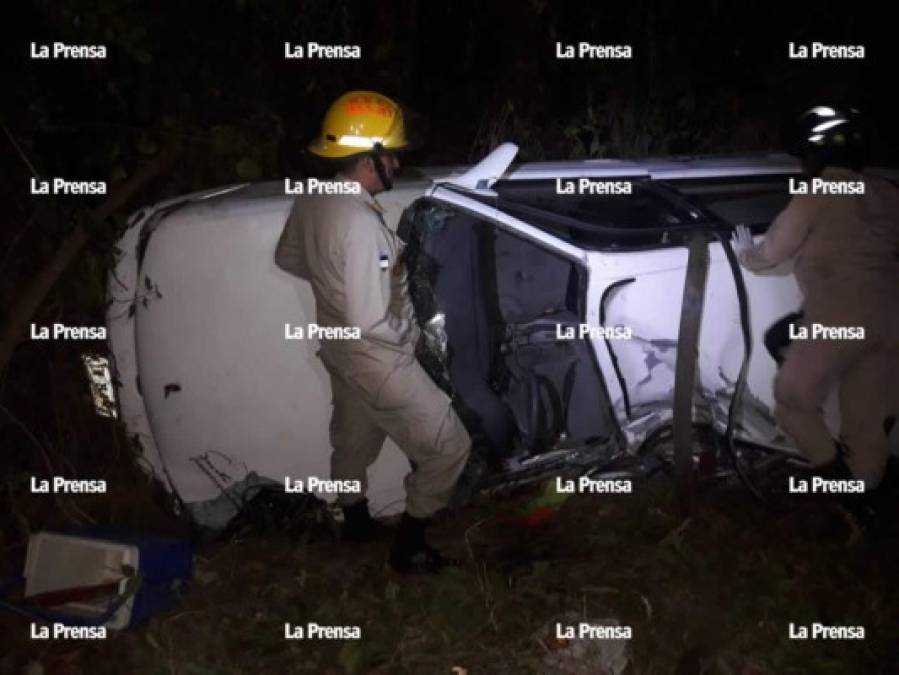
x,y
741,239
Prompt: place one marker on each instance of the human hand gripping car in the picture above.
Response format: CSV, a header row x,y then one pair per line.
x,y
352,259
844,240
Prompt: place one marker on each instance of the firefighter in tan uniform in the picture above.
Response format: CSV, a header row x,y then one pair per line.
x,y
845,249
353,260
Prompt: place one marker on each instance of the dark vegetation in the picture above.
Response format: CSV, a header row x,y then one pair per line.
x,y
713,593
208,80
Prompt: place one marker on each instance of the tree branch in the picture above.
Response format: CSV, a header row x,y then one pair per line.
x,y
30,299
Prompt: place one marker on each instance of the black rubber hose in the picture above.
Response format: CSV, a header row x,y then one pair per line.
x,y
612,356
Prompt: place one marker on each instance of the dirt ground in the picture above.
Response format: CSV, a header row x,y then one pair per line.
x,y
713,593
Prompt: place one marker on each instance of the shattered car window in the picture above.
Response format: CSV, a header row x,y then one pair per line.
x,y
747,201
418,222
645,217
642,208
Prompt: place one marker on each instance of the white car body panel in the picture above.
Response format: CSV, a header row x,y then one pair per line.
x,y
651,307
248,400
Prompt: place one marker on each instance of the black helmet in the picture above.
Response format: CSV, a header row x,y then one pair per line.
x,y
830,137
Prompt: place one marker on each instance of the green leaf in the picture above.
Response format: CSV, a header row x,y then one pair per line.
x,y
548,497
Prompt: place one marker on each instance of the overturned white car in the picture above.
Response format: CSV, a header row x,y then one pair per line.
x,y
551,299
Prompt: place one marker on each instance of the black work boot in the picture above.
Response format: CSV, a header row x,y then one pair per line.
x,y
410,553
359,526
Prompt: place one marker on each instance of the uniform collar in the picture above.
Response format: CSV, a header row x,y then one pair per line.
x,y
367,198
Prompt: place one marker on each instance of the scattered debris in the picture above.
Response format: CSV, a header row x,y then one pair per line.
x,y
583,654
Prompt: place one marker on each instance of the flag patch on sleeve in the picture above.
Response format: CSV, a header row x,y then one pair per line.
x,y
384,261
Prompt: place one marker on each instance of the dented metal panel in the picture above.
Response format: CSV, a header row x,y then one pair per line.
x,y
207,380
214,392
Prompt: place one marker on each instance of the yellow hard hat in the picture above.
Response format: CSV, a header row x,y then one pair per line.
x,y
358,122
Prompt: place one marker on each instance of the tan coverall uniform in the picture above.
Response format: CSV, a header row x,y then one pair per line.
x,y
846,250
343,247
